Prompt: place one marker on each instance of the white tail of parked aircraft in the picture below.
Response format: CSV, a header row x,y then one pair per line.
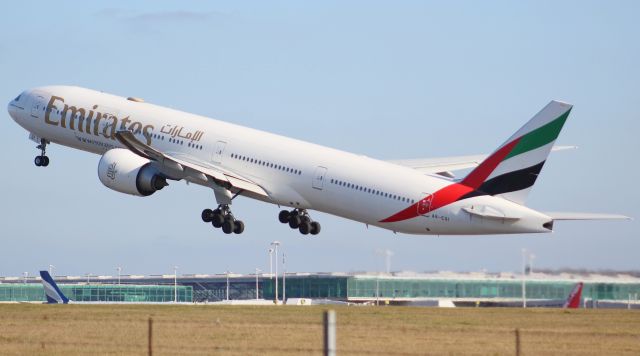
x,y
144,146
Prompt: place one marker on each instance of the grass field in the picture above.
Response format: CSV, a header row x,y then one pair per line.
x,y
250,330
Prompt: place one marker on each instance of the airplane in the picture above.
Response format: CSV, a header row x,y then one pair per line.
x,y
573,301
53,293
144,146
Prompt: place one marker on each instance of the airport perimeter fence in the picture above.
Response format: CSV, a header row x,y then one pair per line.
x,y
329,337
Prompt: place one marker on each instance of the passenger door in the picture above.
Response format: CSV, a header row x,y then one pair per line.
x,y
218,151
318,178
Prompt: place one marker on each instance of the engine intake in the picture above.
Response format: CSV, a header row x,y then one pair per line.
x,y
125,172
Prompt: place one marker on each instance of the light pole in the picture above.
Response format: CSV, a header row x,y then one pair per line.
x,y
387,254
271,263
524,287
275,244
284,280
257,270
26,274
119,269
51,267
89,278
228,285
175,284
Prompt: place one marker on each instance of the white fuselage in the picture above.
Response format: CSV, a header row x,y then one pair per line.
x,y
294,173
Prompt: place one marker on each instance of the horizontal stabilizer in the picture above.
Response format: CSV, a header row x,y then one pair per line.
x,y
584,216
447,164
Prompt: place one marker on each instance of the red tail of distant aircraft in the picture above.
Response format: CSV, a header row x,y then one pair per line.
x,y
573,301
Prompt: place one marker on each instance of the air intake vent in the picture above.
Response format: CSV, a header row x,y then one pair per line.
x,y
137,100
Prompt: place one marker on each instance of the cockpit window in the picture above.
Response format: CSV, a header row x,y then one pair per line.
x,y
17,98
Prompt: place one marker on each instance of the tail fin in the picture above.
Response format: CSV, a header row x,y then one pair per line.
x,y
573,301
54,294
512,169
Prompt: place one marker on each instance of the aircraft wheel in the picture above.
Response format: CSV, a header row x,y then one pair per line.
x,y
227,226
207,215
284,216
217,220
305,218
294,221
238,227
305,227
315,228
38,161
46,161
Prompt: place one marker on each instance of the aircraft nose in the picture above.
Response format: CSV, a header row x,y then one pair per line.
x,y
14,106
11,109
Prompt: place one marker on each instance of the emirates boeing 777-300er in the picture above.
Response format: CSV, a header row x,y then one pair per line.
x,y
144,146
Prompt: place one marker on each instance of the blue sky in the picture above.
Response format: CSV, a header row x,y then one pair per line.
x,y
386,79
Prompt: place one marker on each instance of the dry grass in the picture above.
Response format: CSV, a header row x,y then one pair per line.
x,y
242,330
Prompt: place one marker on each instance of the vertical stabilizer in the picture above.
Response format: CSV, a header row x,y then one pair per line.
x,y
512,169
573,301
53,293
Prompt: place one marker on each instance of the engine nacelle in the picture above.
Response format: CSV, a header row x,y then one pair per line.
x,y
125,172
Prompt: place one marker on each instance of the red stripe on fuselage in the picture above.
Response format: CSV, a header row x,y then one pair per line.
x,y
455,191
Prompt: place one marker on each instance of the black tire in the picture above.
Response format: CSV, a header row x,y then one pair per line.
x,y
207,215
305,227
227,226
217,220
38,161
315,228
46,161
294,221
284,216
238,227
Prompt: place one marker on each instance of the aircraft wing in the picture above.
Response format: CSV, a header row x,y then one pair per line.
x,y
444,165
187,167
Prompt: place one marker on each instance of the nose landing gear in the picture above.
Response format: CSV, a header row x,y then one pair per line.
x,y
223,218
299,219
42,160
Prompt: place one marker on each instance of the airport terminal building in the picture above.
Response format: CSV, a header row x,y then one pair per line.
x,y
393,288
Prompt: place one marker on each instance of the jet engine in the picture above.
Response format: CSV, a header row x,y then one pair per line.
x,y
125,172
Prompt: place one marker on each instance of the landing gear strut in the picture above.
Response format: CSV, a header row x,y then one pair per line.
x,y
42,160
299,219
223,218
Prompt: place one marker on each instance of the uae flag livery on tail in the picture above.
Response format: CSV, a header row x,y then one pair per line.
x,y
509,172
513,168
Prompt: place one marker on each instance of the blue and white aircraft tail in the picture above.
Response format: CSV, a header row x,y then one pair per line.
x,y
54,294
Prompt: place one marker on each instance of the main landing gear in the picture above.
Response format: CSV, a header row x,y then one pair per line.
x,y
223,218
299,219
42,160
